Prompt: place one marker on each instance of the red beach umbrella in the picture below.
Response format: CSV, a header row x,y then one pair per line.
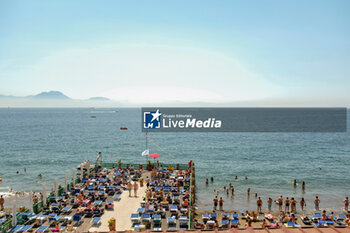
x,y
154,155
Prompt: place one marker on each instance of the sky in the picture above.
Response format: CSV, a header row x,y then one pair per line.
x,y
151,52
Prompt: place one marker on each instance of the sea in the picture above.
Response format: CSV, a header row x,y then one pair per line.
x,y
53,141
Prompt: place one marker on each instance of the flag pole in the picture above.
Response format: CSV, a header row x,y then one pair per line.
x,y
146,145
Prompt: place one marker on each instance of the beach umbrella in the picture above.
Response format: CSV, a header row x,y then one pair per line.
x,y
65,182
73,176
30,202
14,212
44,194
154,155
55,187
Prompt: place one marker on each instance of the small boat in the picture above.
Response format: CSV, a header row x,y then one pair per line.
x,y
123,128
92,116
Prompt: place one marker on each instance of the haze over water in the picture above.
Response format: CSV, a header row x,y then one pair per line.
x,y
53,141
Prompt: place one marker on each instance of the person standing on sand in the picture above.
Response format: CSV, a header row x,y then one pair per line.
x,y
286,202
317,203
136,187
302,204
259,204
215,200
293,205
221,204
2,201
129,186
269,203
280,203
346,204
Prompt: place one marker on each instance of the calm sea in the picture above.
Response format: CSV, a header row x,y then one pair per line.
x,y
53,141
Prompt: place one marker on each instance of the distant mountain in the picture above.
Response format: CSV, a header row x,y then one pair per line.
x,y
50,95
99,98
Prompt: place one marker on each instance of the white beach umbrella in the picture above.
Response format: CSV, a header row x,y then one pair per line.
x,y
73,176
65,182
14,212
55,187
44,194
31,202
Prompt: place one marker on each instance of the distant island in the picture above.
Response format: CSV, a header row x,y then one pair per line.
x,y
54,99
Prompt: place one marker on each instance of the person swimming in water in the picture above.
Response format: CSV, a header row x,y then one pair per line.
x,y
207,181
40,176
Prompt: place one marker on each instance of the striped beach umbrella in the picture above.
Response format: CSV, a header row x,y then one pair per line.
x,y
44,194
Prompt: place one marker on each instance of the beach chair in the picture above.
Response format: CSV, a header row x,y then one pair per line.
x,y
135,219
140,211
42,228
25,228
96,221
157,218
67,209
146,219
97,213
224,224
16,228
205,218
117,197
88,213
341,217
235,216
109,205
98,203
213,216
171,222
224,216
234,223
211,224
183,221
173,210
77,219
172,229
157,229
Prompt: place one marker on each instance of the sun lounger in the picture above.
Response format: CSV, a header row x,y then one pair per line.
x,y
3,220
292,224
96,221
172,229
140,210
211,224
224,224
17,228
97,203
157,229
235,216
135,218
117,197
341,217
26,228
205,217
171,221
77,218
42,228
183,221
145,217
173,208
157,218
67,209
213,216
234,223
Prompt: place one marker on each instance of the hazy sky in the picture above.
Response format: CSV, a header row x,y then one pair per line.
x,y
154,51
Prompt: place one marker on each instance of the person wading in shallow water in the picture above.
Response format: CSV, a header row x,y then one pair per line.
x,y
221,203
215,200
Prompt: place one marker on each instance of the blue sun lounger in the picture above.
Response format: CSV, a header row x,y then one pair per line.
x,y
213,216
96,220
224,223
172,229
235,216
16,228
67,209
135,218
140,210
234,223
157,229
26,228
42,228
98,202
3,220
117,197
341,217
171,221
157,218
